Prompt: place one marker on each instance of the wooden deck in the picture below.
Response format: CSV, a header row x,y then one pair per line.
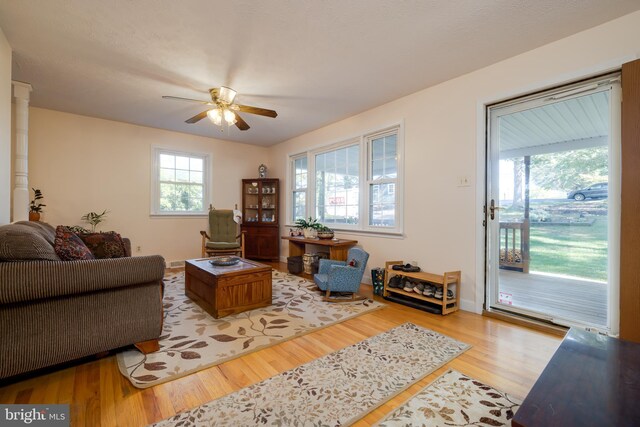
x,y
574,299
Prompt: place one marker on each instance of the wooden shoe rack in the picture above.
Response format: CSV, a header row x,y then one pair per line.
x,y
442,280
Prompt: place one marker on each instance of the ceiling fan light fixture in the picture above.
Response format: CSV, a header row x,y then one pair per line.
x,y
215,116
229,116
227,94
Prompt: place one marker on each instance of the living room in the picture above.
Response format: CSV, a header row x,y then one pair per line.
x,y
86,156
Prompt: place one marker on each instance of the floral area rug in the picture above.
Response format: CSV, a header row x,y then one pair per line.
x,y
193,340
455,400
333,390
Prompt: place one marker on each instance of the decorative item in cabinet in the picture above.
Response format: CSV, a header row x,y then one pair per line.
x,y
447,282
260,205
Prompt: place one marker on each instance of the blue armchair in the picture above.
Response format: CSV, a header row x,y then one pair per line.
x,y
339,276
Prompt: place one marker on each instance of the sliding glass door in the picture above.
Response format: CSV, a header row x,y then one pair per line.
x,y
553,201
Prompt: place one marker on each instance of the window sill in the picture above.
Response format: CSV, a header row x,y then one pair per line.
x,y
368,233
178,215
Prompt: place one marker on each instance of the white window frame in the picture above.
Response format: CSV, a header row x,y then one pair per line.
x,y
370,181
311,185
293,189
155,182
363,141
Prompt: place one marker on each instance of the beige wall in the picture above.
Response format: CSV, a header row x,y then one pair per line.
x,y
5,130
444,139
84,164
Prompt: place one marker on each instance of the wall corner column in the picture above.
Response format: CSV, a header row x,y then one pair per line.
x,y
21,93
630,204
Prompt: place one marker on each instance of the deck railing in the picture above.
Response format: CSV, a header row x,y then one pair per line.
x,y
514,246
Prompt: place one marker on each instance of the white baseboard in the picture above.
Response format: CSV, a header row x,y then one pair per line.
x,y
175,264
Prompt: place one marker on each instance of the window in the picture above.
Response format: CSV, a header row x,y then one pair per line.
x,y
383,175
299,183
180,183
353,185
338,186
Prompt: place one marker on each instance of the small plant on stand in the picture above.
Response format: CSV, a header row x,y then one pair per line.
x,y
35,207
309,227
94,219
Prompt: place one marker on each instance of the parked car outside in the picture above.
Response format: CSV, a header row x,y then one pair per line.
x,y
595,191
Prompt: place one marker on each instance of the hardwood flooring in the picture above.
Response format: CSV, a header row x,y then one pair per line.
x,y
506,356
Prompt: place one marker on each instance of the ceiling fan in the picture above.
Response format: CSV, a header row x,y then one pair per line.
x,y
224,108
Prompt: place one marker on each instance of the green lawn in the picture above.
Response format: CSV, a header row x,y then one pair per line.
x,y
572,250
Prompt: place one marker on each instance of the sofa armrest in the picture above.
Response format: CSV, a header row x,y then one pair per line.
x,y
34,280
127,246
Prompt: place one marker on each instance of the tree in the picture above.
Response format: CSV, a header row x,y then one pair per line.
x,y
568,170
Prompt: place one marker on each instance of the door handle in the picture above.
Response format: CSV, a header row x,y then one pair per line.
x,y
492,209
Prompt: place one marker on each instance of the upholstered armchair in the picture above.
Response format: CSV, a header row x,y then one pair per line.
x,y
223,237
341,276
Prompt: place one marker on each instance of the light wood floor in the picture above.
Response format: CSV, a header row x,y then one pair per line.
x,y
506,356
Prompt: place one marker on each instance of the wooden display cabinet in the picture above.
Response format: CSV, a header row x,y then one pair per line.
x,y
444,281
261,218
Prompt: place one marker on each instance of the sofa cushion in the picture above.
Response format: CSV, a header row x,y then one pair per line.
x,y
104,245
30,281
70,247
45,230
23,242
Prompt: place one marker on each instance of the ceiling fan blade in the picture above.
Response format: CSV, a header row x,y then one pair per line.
x,y
197,117
240,123
255,110
177,98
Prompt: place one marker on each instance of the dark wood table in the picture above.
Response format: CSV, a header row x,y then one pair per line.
x,y
591,380
338,248
222,291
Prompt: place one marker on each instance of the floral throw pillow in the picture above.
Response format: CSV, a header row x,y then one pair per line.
x,y
104,245
69,247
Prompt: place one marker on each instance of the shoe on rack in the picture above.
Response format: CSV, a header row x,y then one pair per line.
x,y
438,294
418,288
395,282
429,291
408,268
397,267
408,286
450,294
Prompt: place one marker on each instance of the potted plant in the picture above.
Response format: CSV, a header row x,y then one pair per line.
x,y
309,227
35,207
94,219
325,232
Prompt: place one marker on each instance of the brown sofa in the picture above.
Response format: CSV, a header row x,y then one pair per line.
x,y
54,311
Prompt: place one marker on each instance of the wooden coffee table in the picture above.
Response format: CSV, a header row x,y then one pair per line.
x,y
222,291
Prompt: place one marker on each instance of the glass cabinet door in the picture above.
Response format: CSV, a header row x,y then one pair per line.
x,y
260,201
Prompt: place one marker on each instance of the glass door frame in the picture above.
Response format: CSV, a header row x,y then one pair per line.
x,y
608,83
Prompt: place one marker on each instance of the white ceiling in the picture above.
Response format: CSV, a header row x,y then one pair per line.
x,y
314,62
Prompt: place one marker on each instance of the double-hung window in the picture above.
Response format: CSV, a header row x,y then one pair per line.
x,y
299,187
337,186
180,183
354,185
383,179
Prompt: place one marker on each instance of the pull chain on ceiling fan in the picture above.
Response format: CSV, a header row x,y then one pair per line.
x,y
222,99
